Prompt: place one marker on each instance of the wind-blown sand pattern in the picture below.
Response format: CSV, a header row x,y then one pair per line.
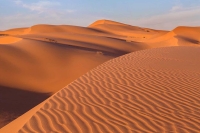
x,y
42,59
149,91
37,61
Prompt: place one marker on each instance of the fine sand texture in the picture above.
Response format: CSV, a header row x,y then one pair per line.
x,y
149,91
37,61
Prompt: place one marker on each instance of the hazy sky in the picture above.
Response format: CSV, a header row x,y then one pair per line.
x,y
158,14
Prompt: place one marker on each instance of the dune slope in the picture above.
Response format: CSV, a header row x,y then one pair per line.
x,y
40,60
150,91
181,35
134,33
39,68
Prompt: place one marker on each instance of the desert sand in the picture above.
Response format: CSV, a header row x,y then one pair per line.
x,y
155,88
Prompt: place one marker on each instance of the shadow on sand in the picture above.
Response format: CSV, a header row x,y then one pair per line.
x,y
15,102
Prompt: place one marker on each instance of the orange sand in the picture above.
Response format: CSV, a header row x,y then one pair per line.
x,y
40,60
147,91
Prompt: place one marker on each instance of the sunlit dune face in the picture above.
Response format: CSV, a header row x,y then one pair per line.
x,y
8,40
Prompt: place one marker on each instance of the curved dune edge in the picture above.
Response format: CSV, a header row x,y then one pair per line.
x,y
8,40
16,31
150,91
104,21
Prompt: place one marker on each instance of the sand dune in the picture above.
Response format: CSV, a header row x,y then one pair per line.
x,y
43,59
152,38
192,32
107,45
5,37
188,35
40,60
65,28
148,91
137,33
166,39
46,58
42,67
104,21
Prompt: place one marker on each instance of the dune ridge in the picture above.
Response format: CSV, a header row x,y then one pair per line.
x,y
42,59
104,21
146,91
121,29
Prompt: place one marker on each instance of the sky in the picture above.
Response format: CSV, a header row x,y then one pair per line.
x,y
155,14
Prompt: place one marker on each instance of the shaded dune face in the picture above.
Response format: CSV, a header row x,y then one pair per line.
x,y
47,55
14,102
188,35
44,66
108,45
153,90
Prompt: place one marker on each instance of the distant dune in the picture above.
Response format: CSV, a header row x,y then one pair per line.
x,y
37,61
16,31
188,35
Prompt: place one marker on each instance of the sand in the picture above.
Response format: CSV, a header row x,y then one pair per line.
x,y
36,62
42,59
147,91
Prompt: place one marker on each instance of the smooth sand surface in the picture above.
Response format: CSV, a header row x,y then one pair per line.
x,y
149,91
8,39
38,61
16,31
188,35
129,32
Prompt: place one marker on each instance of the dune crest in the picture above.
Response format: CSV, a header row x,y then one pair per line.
x,y
134,33
156,91
104,21
16,31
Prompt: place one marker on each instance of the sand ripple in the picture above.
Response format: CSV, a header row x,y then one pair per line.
x,y
151,91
